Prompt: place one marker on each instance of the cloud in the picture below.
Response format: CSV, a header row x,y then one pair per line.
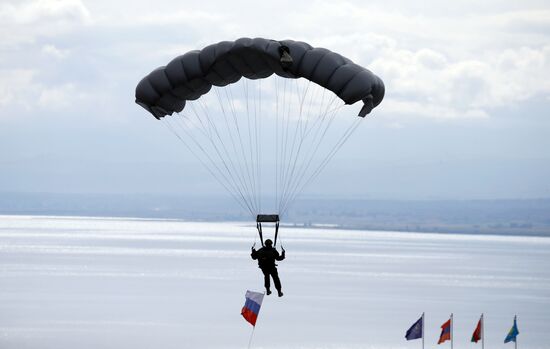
x,y
395,108
451,65
24,22
436,63
450,87
51,50
21,91
33,12
15,85
57,97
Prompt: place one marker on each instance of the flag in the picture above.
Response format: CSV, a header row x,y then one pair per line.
x,y
476,336
511,337
252,306
445,332
415,331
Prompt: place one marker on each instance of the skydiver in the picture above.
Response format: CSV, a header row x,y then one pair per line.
x,y
266,257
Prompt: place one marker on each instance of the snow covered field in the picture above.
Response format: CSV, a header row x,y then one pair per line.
x,y
73,282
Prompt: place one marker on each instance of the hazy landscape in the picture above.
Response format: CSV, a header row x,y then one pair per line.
x,y
504,217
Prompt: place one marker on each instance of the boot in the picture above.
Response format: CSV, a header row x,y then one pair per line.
x,y
268,291
280,293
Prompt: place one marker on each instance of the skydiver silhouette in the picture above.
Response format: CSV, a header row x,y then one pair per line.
x,y
266,257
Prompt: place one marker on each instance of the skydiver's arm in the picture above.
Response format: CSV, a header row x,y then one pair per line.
x,y
282,256
254,253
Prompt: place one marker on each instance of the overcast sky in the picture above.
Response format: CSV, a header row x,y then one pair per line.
x,y
466,113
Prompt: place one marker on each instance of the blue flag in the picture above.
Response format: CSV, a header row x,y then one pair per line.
x,y
511,337
415,331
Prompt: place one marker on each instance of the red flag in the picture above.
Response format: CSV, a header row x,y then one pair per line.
x,y
476,336
445,332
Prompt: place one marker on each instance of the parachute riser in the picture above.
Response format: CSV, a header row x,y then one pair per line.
x,y
259,227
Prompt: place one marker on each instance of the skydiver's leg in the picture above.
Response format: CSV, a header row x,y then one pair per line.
x,y
276,281
266,281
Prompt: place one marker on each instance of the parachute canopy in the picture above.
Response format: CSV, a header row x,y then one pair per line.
x,y
166,89
267,140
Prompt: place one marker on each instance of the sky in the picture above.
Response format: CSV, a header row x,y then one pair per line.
x,y
465,114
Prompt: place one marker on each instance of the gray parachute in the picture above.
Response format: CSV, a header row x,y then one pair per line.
x,y
166,89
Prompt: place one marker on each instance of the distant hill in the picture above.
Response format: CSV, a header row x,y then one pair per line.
x,y
507,217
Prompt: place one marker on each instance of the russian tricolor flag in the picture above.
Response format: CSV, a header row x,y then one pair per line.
x,y
252,306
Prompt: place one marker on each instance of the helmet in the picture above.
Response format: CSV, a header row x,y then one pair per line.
x,y
268,243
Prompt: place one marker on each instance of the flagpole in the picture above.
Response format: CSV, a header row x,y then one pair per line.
x,y
452,334
515,325
251,335
422,330
482,332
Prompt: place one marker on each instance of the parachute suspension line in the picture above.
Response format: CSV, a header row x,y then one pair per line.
x,y
316,141
236,191
288,187
211,130
293,156
302,114
351,129
282,166
276,142
171,129
312,97
250,169
229,165
327,114
337,147
255,139
282,143
234,158
324,163
242,172
248,183
201,148
296,156
288,150
259,145
300,128
302,107
287,166
249,127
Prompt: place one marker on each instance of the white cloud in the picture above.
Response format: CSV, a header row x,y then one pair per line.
x,y
448,66
57,96
21,90
15,85
24,22
396,107
51,50
435,62
32,12
428,77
